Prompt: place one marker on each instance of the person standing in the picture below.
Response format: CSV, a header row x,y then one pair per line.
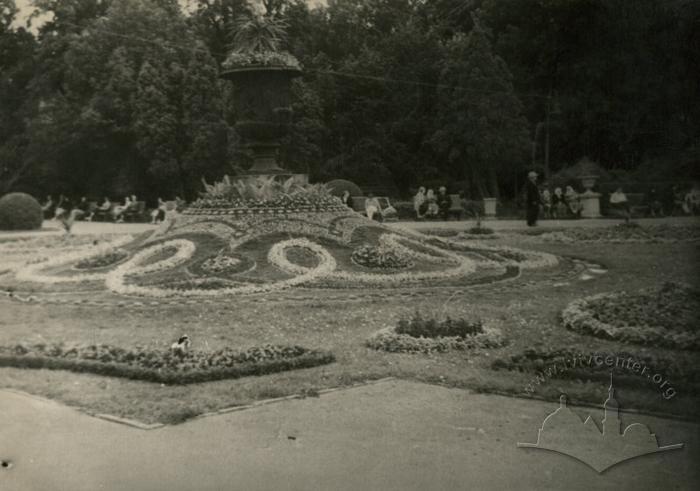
x,y
533,199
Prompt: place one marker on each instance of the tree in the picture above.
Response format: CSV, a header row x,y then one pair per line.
x,y
213,21
17,48
136,108
480,128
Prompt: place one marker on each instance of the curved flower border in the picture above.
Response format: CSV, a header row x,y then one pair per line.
x,y
32,272
116,280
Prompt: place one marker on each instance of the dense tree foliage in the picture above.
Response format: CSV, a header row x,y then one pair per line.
x,y
115,97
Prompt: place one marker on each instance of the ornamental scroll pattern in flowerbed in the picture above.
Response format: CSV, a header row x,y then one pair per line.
x,y
195,256
660,317
163,365
426,334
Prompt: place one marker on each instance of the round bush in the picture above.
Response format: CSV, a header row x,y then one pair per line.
x,y
19,211
339,186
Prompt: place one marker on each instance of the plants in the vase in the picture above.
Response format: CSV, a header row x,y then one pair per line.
x,y
163,365
107,258
663,317
380,257
267,58
257,41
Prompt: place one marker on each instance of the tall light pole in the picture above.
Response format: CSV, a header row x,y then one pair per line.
x,y
546,138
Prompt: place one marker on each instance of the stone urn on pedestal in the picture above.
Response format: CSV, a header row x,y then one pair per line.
x,y
262,77
590,200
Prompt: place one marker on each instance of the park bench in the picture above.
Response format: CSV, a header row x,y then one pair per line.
x,y
104,215
135,213
455,209
638,207
388,211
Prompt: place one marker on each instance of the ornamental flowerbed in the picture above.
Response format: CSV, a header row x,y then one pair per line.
x,y
163,365
568,364
221,264
621,233
662,317
425,334
380,257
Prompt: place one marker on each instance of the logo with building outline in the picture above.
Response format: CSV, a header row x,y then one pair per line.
x,y
563,432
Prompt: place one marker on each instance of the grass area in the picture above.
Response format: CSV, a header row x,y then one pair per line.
x,y
528,312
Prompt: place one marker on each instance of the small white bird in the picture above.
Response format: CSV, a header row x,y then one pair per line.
x,y
181,346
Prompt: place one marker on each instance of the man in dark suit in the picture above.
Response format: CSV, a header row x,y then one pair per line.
x,y
533,199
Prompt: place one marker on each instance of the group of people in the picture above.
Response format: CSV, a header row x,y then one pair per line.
x,y
557,204
428,204
64,207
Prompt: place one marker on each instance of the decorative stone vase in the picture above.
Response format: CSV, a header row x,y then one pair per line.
x,y
588,181
490,207
262,100
590,200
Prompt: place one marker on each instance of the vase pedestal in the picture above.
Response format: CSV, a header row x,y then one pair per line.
x,y
590,202
490,207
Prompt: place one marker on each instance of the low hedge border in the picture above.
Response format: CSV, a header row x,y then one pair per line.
x,y
389,340
306,359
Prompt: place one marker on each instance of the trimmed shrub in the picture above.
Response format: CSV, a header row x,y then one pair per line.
x,y
339,186
19,211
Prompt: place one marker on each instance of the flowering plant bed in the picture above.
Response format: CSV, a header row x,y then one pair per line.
x,y
429,327
421,334
620,233
663,317
163,365
566,363
380,257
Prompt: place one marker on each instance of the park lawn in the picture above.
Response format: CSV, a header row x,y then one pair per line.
x,y
527,309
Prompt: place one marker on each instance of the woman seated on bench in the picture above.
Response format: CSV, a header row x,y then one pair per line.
x,y
619,203
119,210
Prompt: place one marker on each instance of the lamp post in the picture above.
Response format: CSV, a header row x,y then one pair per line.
x,y
551,109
